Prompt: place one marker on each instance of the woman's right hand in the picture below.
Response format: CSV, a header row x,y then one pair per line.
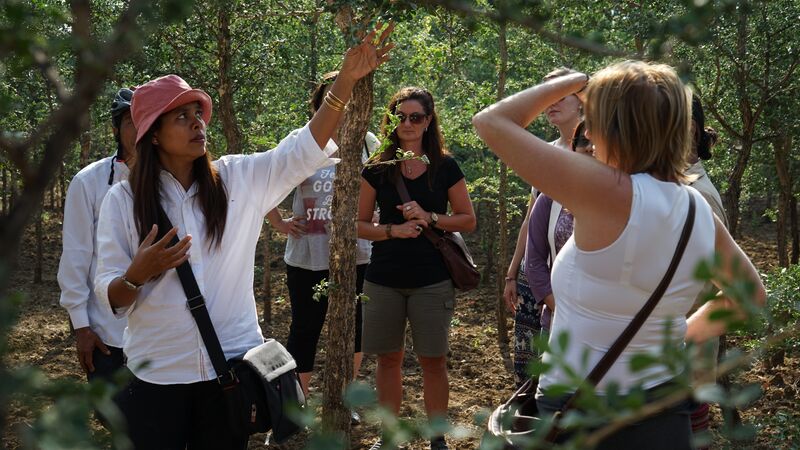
x,y
293,226
154,258
410,229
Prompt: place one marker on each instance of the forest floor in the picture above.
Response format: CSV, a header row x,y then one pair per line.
x,y
479,378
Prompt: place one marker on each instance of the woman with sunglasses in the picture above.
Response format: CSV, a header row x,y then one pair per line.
x,y
549,228
307,253
406,280
630,208
564,114
216,208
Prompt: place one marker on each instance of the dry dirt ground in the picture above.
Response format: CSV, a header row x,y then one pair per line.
x,y
479,378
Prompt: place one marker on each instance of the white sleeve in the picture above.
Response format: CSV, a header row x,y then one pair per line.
x,y
76,256
267,178
114,254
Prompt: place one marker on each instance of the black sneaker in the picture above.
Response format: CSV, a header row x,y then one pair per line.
x,y
439,443
377,445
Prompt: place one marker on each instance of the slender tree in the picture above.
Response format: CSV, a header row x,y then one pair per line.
x,y
342,290
502,263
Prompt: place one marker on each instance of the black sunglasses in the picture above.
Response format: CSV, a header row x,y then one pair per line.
x,y
580,141
415,118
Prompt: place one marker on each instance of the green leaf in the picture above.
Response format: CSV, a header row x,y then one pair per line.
x,y
747,395
641,361
563,341
537,367
358,395
711,393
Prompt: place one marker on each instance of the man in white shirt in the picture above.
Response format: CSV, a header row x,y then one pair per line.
x,y
98,333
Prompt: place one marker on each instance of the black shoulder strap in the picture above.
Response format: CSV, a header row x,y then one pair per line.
x,y
400,185
197,306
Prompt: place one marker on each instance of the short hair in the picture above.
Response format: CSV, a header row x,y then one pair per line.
x,y
642,112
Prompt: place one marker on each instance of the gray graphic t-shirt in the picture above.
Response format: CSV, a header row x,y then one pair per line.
x,y
313,200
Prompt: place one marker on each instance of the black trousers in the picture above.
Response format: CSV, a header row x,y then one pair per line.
x,y
105,366
668,430
177,416
308,315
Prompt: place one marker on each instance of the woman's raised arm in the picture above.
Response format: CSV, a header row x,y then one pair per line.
x,y
598,195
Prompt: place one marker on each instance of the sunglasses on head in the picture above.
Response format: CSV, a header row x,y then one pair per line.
x,y
415,118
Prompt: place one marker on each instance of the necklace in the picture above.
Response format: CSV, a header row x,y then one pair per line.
x,y
408,168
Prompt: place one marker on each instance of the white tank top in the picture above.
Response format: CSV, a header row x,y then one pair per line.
x,y
598,292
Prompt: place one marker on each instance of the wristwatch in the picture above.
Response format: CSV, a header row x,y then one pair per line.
x,y
130,285
434,219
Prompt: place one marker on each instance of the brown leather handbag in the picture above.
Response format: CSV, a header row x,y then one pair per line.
x,y
455,254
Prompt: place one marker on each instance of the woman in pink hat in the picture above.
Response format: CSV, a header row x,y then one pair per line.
x,y
216,209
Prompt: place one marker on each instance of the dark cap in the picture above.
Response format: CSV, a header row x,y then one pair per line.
x,y
121,104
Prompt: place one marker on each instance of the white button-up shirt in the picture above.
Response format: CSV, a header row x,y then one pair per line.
x,y
162,342
79,256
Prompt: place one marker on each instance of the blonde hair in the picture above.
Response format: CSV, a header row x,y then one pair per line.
x,y
642,112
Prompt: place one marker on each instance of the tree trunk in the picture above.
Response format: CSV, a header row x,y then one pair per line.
x,y
734,192
267,281
37,269
86,145
342,294
227,113
53,202
781,146
795,230
4,193
62,184
502,261
12,194
741,77
489,237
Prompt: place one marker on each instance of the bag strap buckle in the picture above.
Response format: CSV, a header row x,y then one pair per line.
x,y
196,302
228,379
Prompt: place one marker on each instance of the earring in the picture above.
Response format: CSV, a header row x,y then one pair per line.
x,y
426,129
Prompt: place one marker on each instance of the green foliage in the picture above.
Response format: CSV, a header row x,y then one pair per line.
x,y
783,305
321,289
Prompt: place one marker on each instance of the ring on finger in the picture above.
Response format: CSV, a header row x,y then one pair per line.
x,y
408,208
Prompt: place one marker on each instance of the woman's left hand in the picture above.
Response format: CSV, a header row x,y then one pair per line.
x,y
368,55
412,210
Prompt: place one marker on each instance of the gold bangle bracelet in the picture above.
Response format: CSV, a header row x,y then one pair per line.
x,y
332,105
332,97
335,97
388,231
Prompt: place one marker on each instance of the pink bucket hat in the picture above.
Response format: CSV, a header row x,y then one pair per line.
x,y
162,95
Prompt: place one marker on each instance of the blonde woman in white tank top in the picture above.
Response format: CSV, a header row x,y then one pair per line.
x,y
629,207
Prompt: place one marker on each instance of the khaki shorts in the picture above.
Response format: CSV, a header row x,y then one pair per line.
x,y
428,309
